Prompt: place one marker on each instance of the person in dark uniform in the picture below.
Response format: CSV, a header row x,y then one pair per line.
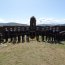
x,y
14,35
27,34
62,35
54,35
57,35
6,35
11,34
1,38
18,34
47,34
42,34
50,34
37,34
23,34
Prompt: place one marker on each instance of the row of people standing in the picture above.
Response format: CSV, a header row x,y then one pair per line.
x,y
13,35
18,34
51,35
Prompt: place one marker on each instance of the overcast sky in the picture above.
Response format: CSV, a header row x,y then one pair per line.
x,y
45,11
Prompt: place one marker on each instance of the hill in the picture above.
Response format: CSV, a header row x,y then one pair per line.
x,y
12,24
19,24
51,25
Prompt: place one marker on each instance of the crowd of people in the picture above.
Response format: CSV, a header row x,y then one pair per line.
x,y
19,35
51,35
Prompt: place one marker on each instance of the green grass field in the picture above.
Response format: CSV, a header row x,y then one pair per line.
x,y
33,53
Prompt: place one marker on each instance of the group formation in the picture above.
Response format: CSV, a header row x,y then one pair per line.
x,y
24,34
20,34
51,34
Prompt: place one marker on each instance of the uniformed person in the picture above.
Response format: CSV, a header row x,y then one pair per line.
x,y
47,34
62,35
50,34
1,38
57,35
14,35
11,34
54,35
27,34
37,34
18,34
23,34
6,35
42,34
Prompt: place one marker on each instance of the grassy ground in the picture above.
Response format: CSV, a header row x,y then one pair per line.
x,y
33,53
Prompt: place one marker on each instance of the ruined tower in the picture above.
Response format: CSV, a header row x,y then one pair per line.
x,y
33,23
32,27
